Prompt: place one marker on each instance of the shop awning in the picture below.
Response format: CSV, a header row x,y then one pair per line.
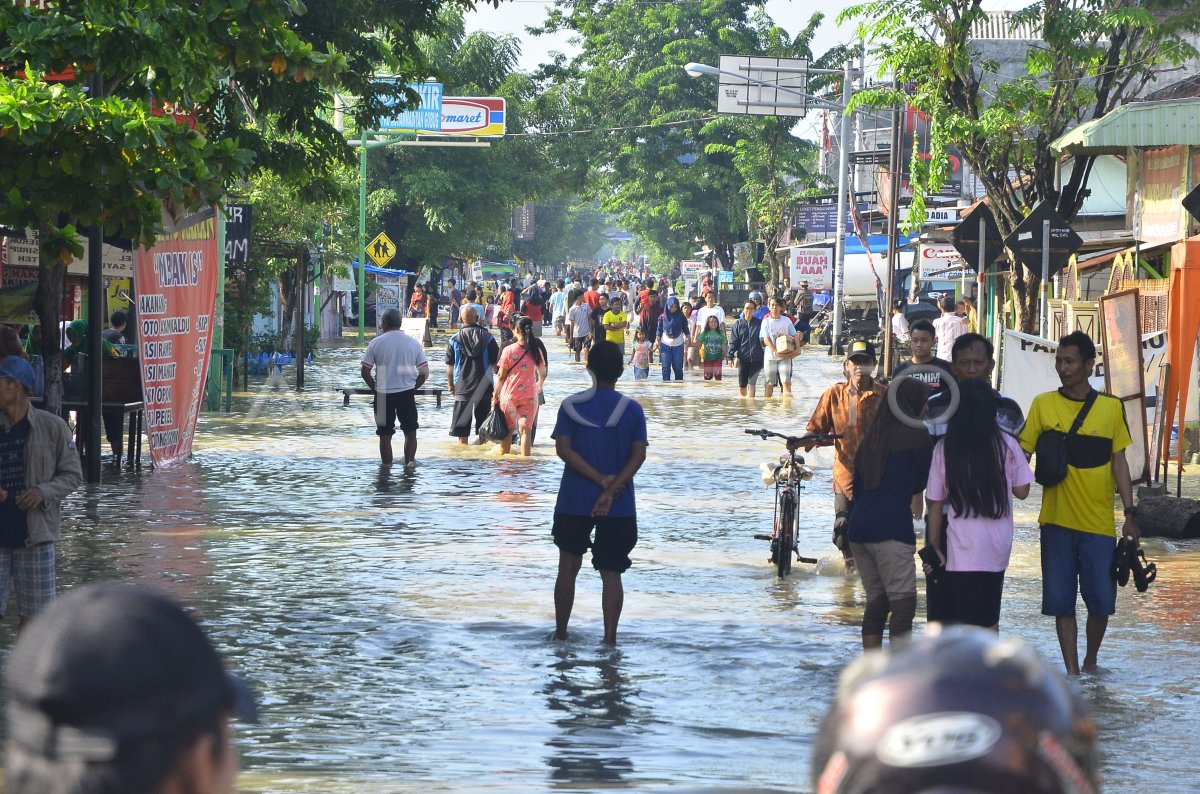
x,y
1138,125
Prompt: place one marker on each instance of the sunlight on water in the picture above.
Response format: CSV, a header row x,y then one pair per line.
x,y
396,624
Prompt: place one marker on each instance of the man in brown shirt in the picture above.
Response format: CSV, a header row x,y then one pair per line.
x,y
848,409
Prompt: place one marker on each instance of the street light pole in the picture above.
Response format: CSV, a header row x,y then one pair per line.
x,y
839,273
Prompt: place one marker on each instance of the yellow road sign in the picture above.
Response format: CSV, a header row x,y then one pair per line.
x,y
381,250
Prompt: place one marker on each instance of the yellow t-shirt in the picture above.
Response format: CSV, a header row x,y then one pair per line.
x,y
614,336
1084,500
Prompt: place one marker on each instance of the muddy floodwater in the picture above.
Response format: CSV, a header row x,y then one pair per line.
x,y
397,624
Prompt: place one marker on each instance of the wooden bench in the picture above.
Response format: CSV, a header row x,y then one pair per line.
x,y
422,392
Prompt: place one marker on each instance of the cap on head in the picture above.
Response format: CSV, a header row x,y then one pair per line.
x,y
963,710
109,665
860,348
18,369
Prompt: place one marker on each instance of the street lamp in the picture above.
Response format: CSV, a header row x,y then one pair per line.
x,y
848,74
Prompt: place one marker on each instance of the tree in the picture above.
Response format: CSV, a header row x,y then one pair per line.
x,y
231,72
1094,55
775,166
646,158
458,202
669,169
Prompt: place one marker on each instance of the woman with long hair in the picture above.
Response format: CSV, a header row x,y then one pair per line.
x,y
890,466
523,368
977,469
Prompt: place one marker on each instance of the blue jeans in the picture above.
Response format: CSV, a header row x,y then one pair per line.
x,y
1077,562
672,360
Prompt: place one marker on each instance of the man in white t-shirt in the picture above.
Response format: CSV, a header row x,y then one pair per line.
x,y
400,367
709,309
948,328
777,362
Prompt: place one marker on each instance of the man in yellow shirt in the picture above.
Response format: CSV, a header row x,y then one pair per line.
x,y
1078,536
615,322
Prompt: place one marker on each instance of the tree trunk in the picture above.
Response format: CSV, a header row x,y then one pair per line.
x,y
287,307
47,302
1026,308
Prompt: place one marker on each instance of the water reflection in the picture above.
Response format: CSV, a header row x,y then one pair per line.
x,y
591,699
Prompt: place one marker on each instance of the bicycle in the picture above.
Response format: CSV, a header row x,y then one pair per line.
x,y
788,477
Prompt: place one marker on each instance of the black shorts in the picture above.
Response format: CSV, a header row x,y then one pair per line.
x,y
579,343
975,597
465,411
747,372
400,406
615,538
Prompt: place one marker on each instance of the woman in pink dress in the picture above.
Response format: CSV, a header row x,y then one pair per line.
x,y
519,382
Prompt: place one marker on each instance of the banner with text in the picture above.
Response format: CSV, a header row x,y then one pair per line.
x,y
176,295
1029,365
814,265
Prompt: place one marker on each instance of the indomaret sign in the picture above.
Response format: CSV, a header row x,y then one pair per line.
x,y
177,294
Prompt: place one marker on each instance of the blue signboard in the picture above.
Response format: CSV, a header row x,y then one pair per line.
x,y
820,220
426,117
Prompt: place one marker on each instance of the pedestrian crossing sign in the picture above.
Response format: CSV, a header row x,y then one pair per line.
x,y
381,250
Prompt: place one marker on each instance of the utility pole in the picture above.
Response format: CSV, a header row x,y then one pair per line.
x,y
893,217
839,274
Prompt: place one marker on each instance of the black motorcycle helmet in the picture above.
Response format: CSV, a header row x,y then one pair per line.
x,y
962,711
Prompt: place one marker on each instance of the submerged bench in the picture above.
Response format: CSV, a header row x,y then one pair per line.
x,y
422,392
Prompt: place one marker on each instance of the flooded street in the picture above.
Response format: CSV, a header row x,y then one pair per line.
x,y
397,625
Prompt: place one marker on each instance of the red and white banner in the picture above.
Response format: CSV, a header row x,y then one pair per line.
x,y
814,265
177,294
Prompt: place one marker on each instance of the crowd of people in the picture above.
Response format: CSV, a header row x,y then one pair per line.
x,y
958,473
896,466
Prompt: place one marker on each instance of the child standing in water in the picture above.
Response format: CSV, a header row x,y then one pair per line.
x,y
712,345
639,358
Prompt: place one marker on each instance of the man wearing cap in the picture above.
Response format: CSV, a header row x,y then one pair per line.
x,y
39,466
115,689
847,409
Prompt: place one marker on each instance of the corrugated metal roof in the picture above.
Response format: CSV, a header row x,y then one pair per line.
x,y
1140,125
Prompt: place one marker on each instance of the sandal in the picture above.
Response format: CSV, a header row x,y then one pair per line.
x,y
1123,560
1143,572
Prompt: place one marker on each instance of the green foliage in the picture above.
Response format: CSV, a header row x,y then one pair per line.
x,y
672,171
437,203
1094,56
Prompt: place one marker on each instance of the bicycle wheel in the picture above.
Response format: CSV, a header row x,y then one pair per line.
x,y
785,540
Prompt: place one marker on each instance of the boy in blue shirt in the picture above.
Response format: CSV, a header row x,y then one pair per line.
x,y
601,437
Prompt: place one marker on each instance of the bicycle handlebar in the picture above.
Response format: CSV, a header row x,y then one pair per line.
x,y
812,438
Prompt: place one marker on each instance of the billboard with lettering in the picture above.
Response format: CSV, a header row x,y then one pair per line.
x,y
176,296
467,116
814,265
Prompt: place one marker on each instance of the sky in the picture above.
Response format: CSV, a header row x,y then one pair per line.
x,y
513,16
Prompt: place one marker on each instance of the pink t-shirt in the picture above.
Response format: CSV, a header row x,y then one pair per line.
x,y
974,543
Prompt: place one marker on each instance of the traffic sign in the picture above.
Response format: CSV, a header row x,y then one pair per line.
x,y
1026,240
381,250
965,237
762,86
1191,203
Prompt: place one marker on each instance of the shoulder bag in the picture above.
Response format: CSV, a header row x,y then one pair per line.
x,y
1051,468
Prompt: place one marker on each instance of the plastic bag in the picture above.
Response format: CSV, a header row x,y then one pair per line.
x,y
495,427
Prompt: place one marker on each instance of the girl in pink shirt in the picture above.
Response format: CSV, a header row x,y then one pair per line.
x,y
977,469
